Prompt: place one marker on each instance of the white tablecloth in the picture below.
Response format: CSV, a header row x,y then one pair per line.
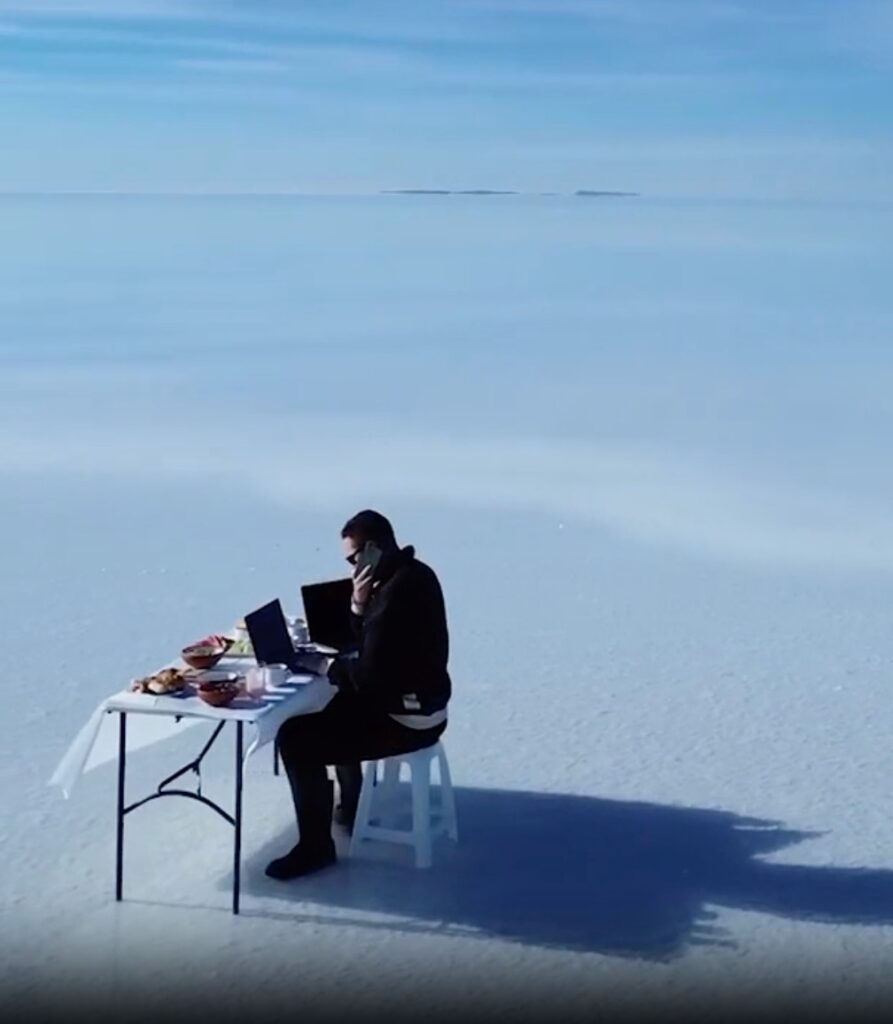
x,y
152,719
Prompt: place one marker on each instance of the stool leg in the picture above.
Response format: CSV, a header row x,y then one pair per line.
x,y
447,800
391,776
421,816
364,806
387,796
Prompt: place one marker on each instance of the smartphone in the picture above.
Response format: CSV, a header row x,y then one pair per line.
x,y
370,555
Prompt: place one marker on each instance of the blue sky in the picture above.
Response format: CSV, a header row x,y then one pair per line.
x,y
752,98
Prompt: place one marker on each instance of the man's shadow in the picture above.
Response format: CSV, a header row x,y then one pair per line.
x,y
581,873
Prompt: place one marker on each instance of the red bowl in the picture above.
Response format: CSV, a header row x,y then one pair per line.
x,y
218,694
205,653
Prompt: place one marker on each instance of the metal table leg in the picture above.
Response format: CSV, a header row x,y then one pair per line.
x,y
122,769
237,843
235,819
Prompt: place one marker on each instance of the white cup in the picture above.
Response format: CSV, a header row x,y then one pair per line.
x,y
255,681
261,678
274,675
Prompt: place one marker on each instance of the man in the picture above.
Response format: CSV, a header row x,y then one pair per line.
x,y
392,697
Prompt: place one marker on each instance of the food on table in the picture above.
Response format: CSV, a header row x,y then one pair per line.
x,y
168,680
241,647
218,692
205,653
213,676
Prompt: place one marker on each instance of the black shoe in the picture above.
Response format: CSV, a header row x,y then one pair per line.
x,y
345,817
301,860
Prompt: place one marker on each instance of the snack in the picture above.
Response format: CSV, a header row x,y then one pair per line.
x,y
242,648
168,680
215,640
207,652
217,681
218,692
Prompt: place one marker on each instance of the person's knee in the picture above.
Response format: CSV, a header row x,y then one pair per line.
x,y
428,739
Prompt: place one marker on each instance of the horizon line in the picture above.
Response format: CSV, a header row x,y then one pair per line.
x,y
306,192
113,193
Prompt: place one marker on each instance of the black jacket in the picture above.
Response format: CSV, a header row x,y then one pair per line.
x,y
403,641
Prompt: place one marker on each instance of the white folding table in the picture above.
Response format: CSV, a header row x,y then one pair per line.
x,y
263,715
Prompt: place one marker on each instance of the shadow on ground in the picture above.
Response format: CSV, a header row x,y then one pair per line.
x,y
580,873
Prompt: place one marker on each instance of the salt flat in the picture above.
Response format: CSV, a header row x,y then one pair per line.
x,y
643,446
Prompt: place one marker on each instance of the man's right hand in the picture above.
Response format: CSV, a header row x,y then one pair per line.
x,y
362,586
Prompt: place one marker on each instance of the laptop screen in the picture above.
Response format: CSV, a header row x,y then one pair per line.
x,y
269,635
327,613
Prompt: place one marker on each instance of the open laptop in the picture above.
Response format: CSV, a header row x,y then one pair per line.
x,y
327,614
270,637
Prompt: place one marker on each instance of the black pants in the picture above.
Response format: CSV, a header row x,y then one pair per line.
x,y
345,733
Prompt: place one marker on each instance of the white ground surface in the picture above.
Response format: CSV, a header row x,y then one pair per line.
x,y
668,579
672,784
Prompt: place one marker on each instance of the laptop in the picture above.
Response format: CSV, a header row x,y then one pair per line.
x,y
269,636
327,614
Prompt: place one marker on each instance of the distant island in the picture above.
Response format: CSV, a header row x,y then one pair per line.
x,y
449,192
585,192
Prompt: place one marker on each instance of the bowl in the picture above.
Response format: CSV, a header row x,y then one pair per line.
x,y
206,653
217,693
213,677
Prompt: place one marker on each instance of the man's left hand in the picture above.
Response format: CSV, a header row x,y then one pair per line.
x,y
315,664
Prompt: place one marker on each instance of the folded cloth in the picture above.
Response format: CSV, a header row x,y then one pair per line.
x,y
97,742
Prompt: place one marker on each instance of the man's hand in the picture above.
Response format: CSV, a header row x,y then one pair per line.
x,y
315,664
362,586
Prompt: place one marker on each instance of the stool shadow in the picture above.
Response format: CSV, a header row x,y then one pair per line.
x,y
583,873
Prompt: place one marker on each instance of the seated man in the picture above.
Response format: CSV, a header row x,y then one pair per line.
x,y
392,697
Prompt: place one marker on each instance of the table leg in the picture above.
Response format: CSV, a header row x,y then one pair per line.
x,y
275,757
122,768
237,843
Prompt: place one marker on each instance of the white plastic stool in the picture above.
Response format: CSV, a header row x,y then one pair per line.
x,y
427,821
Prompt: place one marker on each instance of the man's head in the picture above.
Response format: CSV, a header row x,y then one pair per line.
x,y
364,526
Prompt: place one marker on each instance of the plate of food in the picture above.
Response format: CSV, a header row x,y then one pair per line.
x,y
167,681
